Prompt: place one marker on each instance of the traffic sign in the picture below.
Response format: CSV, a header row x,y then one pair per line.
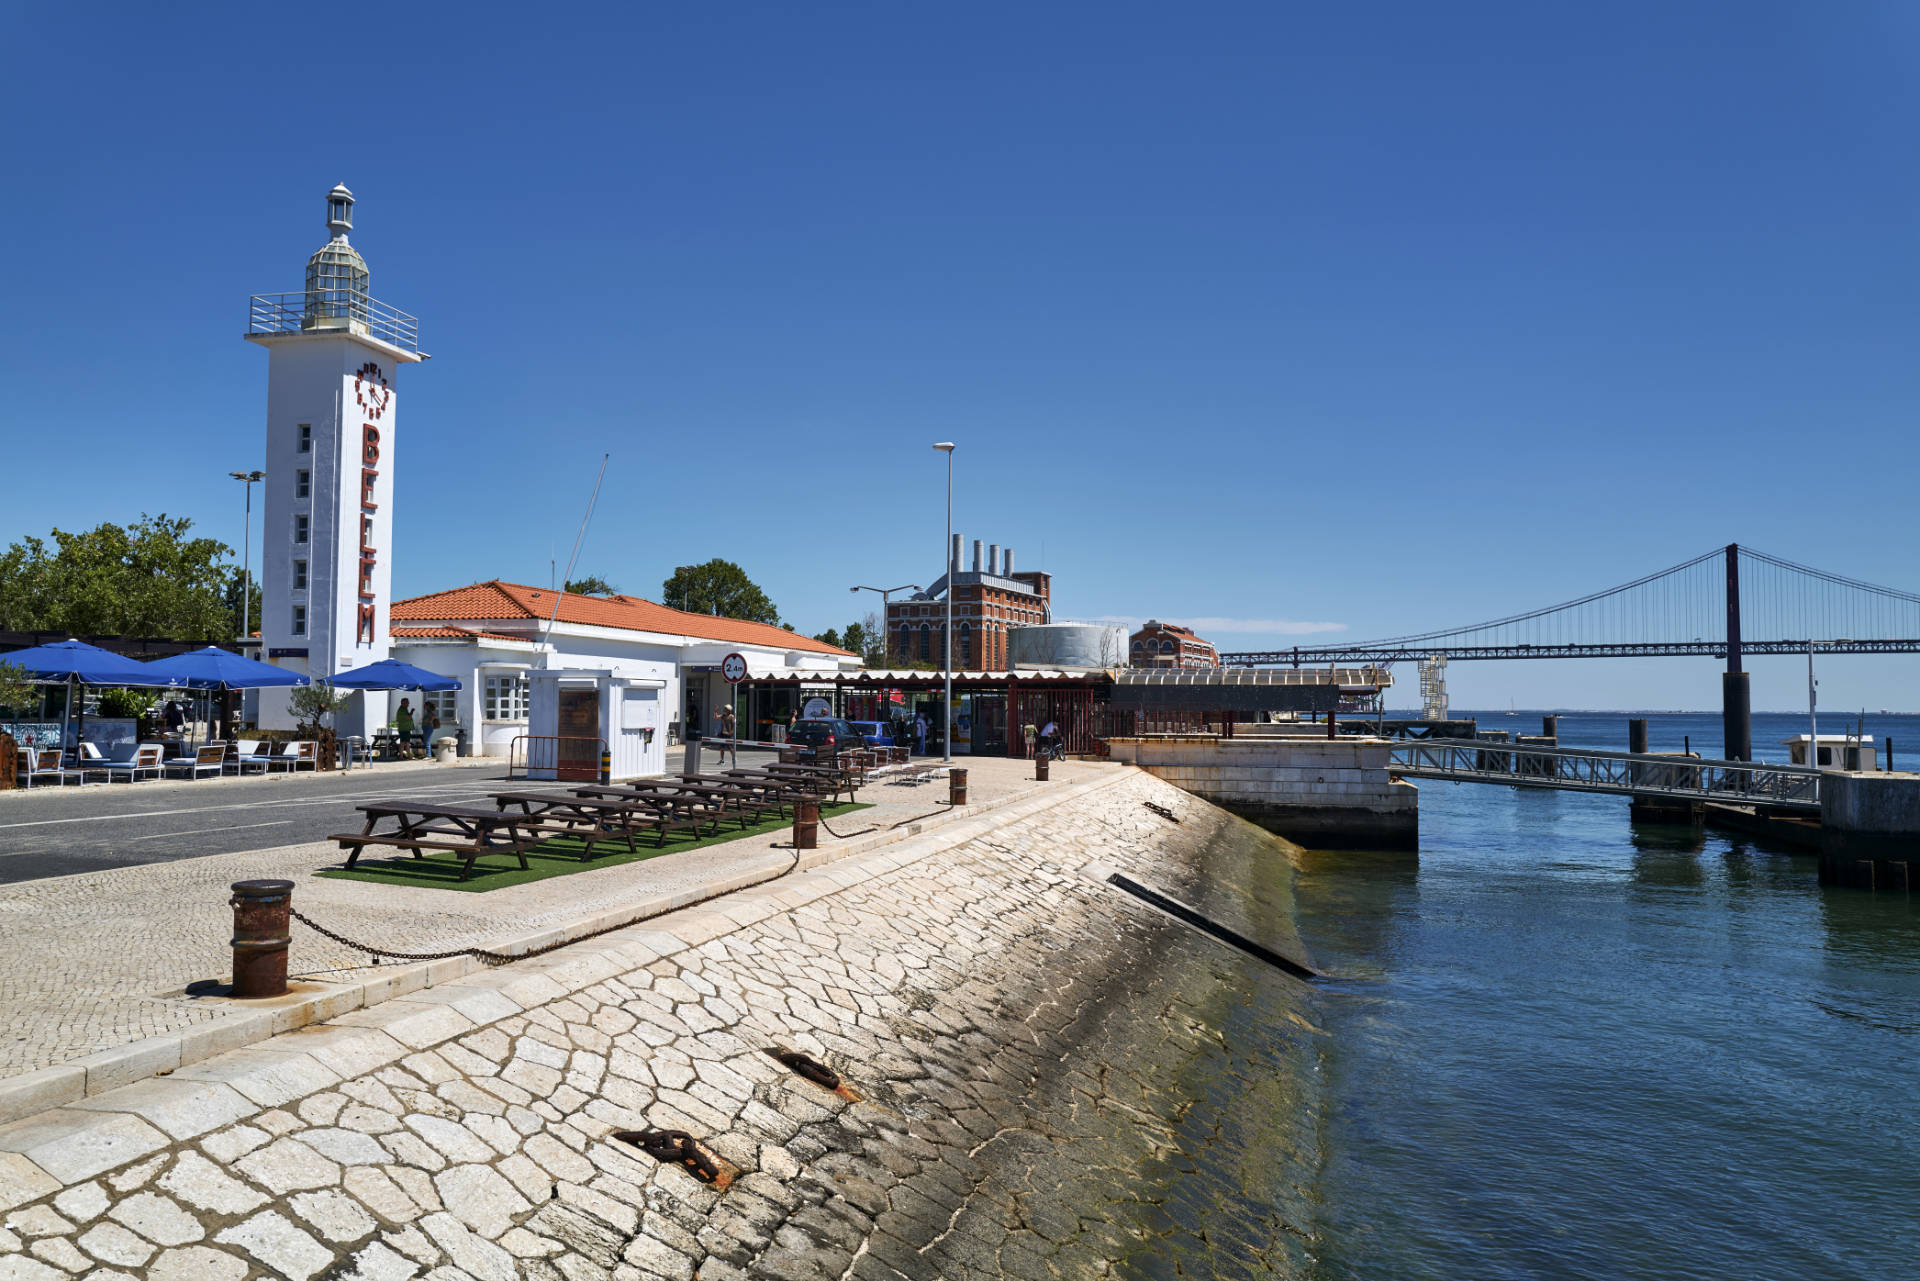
x,y
734,668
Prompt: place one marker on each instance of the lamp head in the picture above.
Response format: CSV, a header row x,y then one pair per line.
x,y
945,446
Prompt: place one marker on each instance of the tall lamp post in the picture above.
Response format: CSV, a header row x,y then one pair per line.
x,y
953,564
886,599
246,552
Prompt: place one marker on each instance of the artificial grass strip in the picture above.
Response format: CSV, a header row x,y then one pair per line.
x,y
563,856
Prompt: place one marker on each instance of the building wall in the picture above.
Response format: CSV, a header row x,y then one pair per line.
x,y
311,380
985,610
1164,645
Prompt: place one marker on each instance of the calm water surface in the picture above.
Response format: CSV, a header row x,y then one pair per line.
x,y
1565,1047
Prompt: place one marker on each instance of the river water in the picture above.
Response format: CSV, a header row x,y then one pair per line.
x,y
1560,1046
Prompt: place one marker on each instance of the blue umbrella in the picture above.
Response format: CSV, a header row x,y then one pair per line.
x,y
391,673
216,668
75,663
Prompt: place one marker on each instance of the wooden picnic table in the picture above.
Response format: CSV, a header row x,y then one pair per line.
x,y
837,779
744,802
457,829
618,817
677,809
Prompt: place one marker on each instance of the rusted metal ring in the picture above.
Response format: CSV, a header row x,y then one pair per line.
x,y
809,1067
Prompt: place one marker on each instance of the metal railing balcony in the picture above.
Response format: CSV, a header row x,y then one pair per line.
x,y
322,311
1619,773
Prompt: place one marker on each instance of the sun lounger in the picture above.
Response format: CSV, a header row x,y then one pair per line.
x,y
246,751
295,754
42,765
210,759
148,758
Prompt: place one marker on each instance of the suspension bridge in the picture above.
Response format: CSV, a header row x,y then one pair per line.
x,y
1725,604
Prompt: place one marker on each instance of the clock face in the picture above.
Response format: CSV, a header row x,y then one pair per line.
x,y
734,668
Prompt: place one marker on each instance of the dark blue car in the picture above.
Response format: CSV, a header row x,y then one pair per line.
x,y
877,733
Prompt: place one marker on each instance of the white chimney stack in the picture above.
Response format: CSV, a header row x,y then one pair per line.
x,y
993,558
976,555
1006,564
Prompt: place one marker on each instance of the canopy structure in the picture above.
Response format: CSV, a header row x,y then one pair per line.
x,y
391,673
216,668
76,662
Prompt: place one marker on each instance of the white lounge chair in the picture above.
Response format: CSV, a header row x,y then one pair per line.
x,y
297,753
89,759
147,758
246,751
210,759
42,764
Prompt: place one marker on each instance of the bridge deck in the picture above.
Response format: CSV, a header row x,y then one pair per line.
x,y
1575,769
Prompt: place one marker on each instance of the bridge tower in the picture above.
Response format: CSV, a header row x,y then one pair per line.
x,y
1433,687
1736,695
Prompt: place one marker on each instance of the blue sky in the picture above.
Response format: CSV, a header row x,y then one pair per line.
x,y
1389,316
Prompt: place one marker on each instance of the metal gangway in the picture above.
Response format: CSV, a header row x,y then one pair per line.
x,y
1577,769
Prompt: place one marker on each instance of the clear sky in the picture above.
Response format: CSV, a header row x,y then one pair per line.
x,y
1389,316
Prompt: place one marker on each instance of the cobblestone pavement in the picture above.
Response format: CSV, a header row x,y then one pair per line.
x,y
99,960
1044,1079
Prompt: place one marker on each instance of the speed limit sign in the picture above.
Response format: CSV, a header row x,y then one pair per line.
x,y
734,668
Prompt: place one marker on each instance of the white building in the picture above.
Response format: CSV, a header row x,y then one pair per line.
x,y
500,640
332,419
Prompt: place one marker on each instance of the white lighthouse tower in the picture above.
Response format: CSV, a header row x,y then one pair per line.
x,y
332,415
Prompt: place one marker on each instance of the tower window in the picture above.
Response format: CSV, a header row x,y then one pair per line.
x,y
299,620
303,483
300,529
299,576
306,438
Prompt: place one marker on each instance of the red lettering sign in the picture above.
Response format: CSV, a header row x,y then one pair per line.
x,y
363,624
370,445
367,476
366,575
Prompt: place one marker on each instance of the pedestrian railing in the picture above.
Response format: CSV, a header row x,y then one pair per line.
x,y
1619,773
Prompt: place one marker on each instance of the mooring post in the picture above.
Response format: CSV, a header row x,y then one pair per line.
x,y
1637,734
806,823
957,782
1550,728
261,936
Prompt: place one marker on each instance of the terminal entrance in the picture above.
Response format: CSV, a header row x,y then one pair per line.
x,y
578,757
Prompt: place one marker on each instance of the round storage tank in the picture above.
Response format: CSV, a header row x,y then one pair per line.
x,y
1068,645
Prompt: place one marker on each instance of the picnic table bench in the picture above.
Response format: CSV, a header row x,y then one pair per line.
x,y
833,780
603,813
677,810
788,785
458,829
724,795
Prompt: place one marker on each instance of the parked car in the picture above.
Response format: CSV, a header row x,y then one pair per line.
x,y
825,739
876,733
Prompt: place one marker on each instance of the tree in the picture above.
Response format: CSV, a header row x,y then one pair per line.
x,y
252,620
829,637
854,638
873,641
145,579
719,587
16,691
591,585
314,703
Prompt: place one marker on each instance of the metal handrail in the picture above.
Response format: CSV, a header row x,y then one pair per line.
x,y
1591,770
330,310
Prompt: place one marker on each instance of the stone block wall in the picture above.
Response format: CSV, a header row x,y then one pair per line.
x,y
1316,792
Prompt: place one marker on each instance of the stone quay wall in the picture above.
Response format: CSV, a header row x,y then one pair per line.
x,y
1043,1078
1870,829
1319,792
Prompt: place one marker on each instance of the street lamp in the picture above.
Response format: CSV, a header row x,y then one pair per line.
x,y
1813,720
953,565
246,552
886,594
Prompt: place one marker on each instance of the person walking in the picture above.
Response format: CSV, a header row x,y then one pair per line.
x,y
726,732
920,733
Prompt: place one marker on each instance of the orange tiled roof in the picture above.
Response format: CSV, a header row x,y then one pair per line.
x,y
453,633
499,600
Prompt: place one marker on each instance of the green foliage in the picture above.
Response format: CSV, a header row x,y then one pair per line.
x,y
232,598
829,637
591,585
125,702
854,639
314,703
145,579
721,587
16,691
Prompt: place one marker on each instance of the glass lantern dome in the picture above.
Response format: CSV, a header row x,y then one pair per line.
x,y
338,285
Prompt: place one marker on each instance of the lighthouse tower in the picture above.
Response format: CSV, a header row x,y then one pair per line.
x,y
332,418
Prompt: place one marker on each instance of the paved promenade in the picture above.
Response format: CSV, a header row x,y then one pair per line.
x,y
1038,1084
101,960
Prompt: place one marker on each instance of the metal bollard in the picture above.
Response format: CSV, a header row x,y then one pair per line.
x,y
260,938
1040,764
806,823
956,787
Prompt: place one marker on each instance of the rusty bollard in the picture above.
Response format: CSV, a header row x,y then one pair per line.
x,y
1040,766
260,938
956,787
806,823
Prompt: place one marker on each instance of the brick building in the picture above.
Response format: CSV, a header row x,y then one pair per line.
x,y
988,601
1169,645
